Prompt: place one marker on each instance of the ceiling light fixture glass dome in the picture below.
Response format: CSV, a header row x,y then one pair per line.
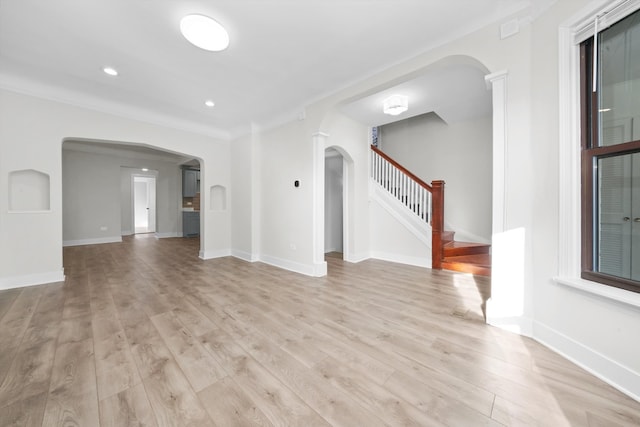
x,y
395,104
204,32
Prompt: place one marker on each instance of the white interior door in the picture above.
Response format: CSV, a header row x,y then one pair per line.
x,y
144,204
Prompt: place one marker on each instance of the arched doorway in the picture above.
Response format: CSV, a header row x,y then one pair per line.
x,y
99,190
333,204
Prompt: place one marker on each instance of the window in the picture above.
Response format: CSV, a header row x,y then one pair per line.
x,y
610,120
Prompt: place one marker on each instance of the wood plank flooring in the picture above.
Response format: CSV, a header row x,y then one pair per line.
x,y
143,333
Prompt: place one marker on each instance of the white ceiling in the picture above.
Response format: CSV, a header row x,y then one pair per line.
x,y
283,54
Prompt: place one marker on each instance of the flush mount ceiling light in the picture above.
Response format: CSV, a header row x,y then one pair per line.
x,y
395,104
110,71
209,103
204,32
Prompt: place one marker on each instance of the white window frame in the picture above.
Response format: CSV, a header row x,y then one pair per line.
x,y
571,33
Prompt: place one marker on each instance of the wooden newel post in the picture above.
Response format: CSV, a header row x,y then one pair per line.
x,y
437,223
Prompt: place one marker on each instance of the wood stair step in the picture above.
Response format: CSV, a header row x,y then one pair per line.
x,y
464,248
479,264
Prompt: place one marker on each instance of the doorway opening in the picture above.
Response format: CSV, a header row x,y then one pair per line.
x,y
333,204
144,204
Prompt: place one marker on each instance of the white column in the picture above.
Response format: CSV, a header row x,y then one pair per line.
x,y
505,308
319,144
497,83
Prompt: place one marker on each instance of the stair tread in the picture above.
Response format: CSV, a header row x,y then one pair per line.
x,y
477,259
457,244
457,248
479,264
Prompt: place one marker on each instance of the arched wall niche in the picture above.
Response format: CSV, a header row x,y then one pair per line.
x,y
29,191
218,197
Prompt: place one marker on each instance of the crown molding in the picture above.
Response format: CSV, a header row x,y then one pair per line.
x,y
49,92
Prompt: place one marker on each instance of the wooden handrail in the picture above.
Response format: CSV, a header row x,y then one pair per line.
x,y
402,169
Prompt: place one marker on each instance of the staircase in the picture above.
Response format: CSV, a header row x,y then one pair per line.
x,y
427,202
466,257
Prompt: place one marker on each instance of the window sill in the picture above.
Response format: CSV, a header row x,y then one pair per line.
x,y
593,288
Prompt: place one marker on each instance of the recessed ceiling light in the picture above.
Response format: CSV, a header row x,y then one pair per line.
x,y
204,32
111,71
145,169
209,103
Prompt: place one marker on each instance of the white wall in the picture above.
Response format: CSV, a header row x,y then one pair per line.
x,y
31,134
286,219
459,153
90,198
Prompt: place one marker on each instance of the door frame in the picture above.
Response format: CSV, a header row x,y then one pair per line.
x,y
149,174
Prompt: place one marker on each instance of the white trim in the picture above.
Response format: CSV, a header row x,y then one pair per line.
x,y
569,155
45,91
318,146
608,370
608,14
356,257
205,255
347,168
593,288
314,270
47,211
497,83
31,279
505,308
245,256
520,325
94,241
423,261
168,234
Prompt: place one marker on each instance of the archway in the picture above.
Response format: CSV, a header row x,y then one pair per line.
x,y
367,100
98,189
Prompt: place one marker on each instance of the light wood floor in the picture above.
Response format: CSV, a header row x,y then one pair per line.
x,y
144,333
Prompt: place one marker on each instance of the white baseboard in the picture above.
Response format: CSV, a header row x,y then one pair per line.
x,y
214,254
356,257
520,325
95,241
313,270
168,234
402,259
609,371
31,279
246,256
126,232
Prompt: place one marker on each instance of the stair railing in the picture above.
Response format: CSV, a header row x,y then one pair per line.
x,y
424,200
